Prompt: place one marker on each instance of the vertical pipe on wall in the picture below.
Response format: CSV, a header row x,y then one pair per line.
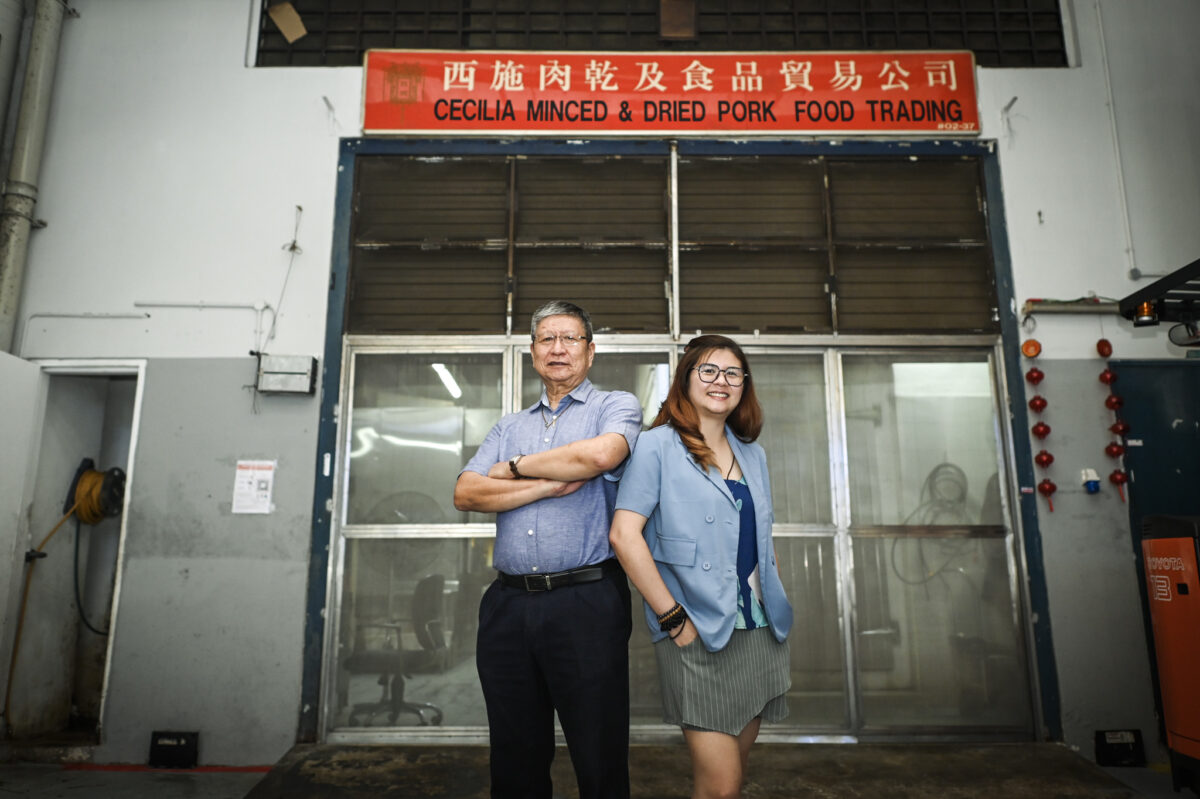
x,y
20,190
12,17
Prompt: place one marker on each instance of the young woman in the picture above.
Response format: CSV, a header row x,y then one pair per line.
x,y
693,531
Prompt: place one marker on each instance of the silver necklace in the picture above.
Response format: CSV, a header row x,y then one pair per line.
x,y
553,419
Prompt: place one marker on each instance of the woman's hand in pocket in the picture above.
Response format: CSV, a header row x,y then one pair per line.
x,y
686,635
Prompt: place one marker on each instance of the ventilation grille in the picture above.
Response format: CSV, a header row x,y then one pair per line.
x,y
1001,33
777,245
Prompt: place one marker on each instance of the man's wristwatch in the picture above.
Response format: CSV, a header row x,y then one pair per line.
x,y
512,466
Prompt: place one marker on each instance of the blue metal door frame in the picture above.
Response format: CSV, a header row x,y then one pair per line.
x,y
351,149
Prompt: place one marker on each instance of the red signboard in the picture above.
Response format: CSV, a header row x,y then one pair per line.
x,y
478,92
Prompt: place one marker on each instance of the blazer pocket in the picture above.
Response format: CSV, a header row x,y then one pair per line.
x,y
678,551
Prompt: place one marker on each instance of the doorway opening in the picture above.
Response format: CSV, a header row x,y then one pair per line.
x,y
67,564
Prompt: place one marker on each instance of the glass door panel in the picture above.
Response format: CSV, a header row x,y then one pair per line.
x,y
791,390
938,641
921,440
646,375
405,651
415,421
809,568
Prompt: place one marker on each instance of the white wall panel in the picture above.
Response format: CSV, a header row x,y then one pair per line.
x,y
172,174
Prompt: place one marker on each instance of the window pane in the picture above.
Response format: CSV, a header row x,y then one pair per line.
x,y
416,419
406,637
921,440
646,375
809,572
791,389
936,635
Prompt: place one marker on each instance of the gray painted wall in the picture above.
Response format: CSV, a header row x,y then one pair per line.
x,y
1091,574
24,397
209,618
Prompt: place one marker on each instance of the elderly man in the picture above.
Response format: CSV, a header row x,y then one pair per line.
x,y
554,626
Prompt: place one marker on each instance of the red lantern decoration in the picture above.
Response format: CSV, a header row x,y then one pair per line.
x,y
1114,450
1120,428
1104,347
1035,376
1046,488
1043,459
1108,377
1119,478
1040,430
1037,403
1113,402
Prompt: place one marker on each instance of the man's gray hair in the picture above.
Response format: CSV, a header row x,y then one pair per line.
x,y
560,308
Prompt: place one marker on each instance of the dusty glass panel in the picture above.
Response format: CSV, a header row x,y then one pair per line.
x,y
646,375
938,642
921,441
415,420
791,390
818,696
406,634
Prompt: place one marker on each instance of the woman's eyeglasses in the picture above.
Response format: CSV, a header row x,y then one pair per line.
x,y
733,375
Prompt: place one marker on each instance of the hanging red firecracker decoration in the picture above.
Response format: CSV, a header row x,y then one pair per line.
x,y
1104,347
1037,403
1119,478
1113,402
1120,428
1043,459
1035,376
1046,488
1040,430
1108,377
1114,450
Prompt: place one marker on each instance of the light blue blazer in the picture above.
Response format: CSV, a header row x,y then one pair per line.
x,y
692,531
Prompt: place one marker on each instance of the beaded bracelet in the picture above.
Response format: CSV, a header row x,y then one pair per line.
x,y
675,617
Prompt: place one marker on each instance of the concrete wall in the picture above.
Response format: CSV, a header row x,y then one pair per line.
x,y
1095,602
173,173
24,396
209,618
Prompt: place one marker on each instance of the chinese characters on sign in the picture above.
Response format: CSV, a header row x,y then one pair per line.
x,y
487,92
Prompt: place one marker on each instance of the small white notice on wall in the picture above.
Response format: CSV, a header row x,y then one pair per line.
x,y
252,486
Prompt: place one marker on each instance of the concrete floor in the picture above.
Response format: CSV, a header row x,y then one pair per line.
x,y
824,771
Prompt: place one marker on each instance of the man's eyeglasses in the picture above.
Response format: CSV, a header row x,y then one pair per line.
x,y
568,341
733,375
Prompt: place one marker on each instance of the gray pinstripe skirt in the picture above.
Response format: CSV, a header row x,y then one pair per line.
x,y
724,690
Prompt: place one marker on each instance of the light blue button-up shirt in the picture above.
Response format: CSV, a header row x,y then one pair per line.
x,y
692,530
559,533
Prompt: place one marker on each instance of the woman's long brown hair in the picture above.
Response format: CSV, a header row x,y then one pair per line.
x,y
677,410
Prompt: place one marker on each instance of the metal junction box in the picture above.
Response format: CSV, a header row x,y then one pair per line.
x,y
287,374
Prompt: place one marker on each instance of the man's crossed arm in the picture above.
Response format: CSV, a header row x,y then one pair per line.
x,y
553,473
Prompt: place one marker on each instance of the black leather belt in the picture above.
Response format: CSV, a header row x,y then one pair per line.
x,y
548,582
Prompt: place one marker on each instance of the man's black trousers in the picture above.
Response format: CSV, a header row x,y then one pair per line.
x,y
564,650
